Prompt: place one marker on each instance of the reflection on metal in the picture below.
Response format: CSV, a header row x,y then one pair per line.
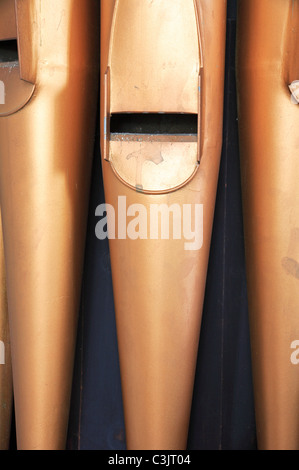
x,y
46,143
267,62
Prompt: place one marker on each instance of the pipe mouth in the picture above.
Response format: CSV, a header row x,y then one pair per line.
x,y
9,51
154,123
14,92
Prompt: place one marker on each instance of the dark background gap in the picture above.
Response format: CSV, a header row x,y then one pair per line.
x,y
9,51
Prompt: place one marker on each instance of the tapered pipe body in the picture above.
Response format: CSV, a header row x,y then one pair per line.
x,y
150,67
267,63
46,141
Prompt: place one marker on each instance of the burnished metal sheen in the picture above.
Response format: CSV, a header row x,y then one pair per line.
x,y
267,71
47,128
163,60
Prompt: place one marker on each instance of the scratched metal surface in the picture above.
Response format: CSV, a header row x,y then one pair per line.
x,y
222,413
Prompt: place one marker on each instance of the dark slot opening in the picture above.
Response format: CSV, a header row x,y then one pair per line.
x,y
9,51
153,123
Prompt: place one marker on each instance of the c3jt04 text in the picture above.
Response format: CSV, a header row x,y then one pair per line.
x,y
156,459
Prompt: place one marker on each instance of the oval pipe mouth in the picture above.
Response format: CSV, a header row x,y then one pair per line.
x,y
154,152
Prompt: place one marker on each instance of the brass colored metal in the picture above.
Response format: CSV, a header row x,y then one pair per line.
x,y
165,80
45,163
6,393
267,63
154,165
17,92
158,284
8,25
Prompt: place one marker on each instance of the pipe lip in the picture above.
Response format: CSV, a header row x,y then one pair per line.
x,y
14,92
